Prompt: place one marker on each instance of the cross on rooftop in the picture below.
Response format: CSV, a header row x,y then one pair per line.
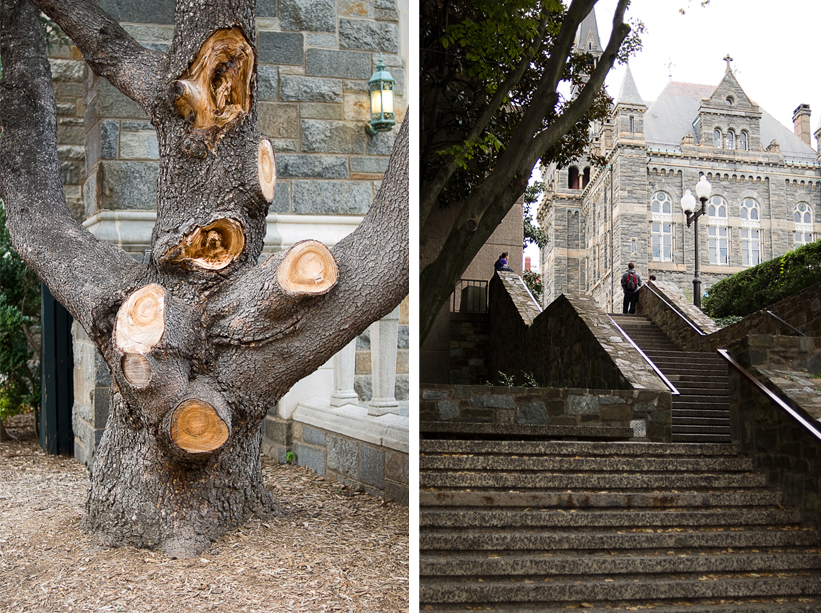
x,y
728,59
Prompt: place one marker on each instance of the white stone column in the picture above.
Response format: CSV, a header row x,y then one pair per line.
x,y
384,336
344,370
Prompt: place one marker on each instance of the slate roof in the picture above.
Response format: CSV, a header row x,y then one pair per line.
x,y
672,114
629,93
588,28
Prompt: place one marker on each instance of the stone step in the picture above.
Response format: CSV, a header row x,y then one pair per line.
x,y
683,415
639,590
496,431
721,421
582,481
797,604
576,448
699,429
589,500
700,438
552,565
553,518
628,540
590,465
713,387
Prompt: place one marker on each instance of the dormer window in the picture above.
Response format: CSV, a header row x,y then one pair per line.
x,y
717,138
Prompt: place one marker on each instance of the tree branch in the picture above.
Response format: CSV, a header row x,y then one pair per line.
x,y
109,50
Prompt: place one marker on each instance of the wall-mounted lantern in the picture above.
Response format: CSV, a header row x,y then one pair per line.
x,y
380,86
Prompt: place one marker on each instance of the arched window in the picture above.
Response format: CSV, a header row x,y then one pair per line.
x,y
802,215
743,142
750,233
661,228
717,138
586,177
717,238
730,139
573,178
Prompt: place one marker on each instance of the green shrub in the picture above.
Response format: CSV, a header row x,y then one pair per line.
x,y
760,286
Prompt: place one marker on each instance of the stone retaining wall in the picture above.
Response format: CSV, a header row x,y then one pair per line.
x,y
648,412
469,358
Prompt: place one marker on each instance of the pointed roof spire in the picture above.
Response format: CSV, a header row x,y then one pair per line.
x,y
587,36
629,93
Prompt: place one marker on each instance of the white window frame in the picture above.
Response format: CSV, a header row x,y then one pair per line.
x,y
718,240
750,233
803,218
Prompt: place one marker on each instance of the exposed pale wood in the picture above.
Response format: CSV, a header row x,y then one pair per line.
x,y
197,428
137,370
267,169
141,320
216,89
212,247
308,268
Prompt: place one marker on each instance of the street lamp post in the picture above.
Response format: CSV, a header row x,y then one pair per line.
x,y
688,205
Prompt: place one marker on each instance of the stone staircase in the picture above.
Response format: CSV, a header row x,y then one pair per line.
x,y
554,526
701,411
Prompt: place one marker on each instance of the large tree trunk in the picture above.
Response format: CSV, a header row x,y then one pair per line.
x,y
203,340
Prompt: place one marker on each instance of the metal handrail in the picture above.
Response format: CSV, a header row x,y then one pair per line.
x,y
667,382
676,311
794,329
815,430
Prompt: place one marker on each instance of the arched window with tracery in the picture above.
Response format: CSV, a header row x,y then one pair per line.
x,y
750,233
730,139
661,227
802,216
717,236
717,138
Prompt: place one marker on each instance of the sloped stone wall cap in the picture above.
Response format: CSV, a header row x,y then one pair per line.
x,y
390,431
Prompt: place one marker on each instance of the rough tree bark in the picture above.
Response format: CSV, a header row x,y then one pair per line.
x,y
202,340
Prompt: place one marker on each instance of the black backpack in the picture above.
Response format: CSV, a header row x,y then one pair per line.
x,y
631,282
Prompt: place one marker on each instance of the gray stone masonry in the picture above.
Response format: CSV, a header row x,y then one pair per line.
x,y
529,406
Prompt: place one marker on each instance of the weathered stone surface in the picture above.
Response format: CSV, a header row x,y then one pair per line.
x,y
332,137
69,174
127,185
318,110
320,40
318,166
139,145
340,64
356,8
368,35
281,48
371,465
532,413
448,409
382,142
311,457
313,435
341,455
493,401
66,70
313,15
278,120
332,197
266,8
396,466
310,89
267,78
369,164
357,107
111,103
284,145
145,11
434,394
282,198
71,152
150,33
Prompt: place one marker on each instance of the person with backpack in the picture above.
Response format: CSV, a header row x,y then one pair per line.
x,y
630,283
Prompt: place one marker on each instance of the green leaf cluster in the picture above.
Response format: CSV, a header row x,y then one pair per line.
x,y
533,280
760,286
19,329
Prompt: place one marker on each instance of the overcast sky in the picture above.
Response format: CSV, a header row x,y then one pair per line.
x,y
774,46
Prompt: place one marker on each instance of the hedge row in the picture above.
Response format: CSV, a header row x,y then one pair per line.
x,y
760,286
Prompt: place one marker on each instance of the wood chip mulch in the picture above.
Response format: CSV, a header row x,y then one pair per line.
x,y
333,549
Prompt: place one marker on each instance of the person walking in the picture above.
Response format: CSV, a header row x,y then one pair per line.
x,y
630,284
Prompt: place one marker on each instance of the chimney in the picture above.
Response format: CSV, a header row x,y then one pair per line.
x,y
801,123
527,263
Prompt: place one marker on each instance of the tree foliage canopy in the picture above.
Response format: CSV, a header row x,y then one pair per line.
x,y
491,83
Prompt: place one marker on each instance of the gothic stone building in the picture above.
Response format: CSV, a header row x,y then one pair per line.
x,y
766,190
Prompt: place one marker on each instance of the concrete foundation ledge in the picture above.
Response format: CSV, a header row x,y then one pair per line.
x,y
390,431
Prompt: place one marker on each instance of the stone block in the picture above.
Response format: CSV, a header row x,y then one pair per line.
x,y
66,70
582,405
127,185
403,340
71,152
310,457
68,134
281,48
339,64
369,165
399,493
315,166
402,361
282,198
75,90
356,8
355,87
100,398
69,173
320,136
139,145
266,8
150,33
434,394
357,107
371,465
314,110
362,386
267,78
368,35
321,40
313,436
396,466
448,409
493,401
332,197
402,387
284,145
278,430
297,88
342,455
313,15
363,341
278,120
363,363
103,141
145,11
382,142
616,413
110,102
531,413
